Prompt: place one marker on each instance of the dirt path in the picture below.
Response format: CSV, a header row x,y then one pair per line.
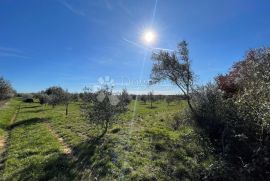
x,y
4,142
4,139
65,148
3,104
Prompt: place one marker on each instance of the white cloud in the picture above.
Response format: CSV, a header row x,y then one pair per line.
x,y
71,8
11,52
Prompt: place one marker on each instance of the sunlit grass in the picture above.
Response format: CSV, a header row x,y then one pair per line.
x,y
141,147
6,113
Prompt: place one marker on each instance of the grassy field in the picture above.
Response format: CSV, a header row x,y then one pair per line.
x,y
44,144
7,110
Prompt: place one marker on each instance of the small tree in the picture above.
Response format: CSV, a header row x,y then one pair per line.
x,y
143,98
66,99
124,97
43,98
6,91
103,108
151,98
174,66
74,97
58,96
169,99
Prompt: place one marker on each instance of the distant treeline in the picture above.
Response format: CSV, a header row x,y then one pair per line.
x,y
79,96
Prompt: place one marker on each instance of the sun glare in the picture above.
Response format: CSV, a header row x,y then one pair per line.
x,y
149,37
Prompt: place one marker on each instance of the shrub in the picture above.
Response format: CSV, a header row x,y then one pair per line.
x,y
115,130
43,98
28,98
238,122
180,118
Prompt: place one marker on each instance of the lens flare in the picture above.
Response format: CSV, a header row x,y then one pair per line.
x,y
149,37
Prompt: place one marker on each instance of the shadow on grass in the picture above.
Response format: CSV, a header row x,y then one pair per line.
x,y
95,158
33,111
153,107
89,160
30,107
26,122
177,156
56,167
3,126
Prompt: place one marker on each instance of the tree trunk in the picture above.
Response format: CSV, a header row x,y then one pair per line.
x,y
105,130
190,106
66,109
151,105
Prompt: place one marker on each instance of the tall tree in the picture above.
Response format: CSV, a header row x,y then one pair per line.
x,y
176,67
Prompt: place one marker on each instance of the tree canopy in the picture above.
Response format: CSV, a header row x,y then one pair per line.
x,y
174,66
6,90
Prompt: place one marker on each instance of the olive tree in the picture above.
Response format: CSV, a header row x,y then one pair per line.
x,y
43,98
143,98
169,99
6,90
102,107
66,98
124,97
174,66
57,96
151,98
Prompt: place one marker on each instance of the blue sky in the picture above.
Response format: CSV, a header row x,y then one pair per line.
x,y
72,43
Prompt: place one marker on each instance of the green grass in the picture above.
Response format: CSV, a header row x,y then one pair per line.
x,y
6,113
141,146
33,152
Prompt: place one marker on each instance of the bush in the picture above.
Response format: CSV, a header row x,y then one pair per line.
x,y
27,98
209,106
180,118
238,122
57,96
43,98
6,91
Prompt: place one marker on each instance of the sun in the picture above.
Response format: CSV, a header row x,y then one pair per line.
x,y
149,37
